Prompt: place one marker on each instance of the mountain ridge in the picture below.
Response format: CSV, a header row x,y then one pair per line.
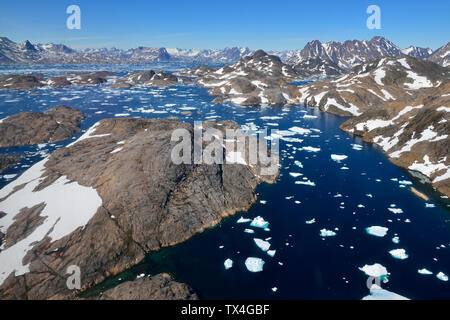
x,y
345,55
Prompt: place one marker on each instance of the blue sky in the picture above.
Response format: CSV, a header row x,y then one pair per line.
x,y
278,25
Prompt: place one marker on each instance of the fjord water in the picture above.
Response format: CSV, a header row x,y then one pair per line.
x,y
348,197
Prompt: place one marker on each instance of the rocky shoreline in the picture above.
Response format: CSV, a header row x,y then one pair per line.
x,y
399,104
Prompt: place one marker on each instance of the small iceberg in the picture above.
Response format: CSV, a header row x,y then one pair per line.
x,y
424,271
298,164
313,220
396,240
399,254
243,220
377,231
338,157
442,276
271,252
311,149
395,210
295,174
306,183
254,264
375,270
249,231
263,245
259,222
228,264
327,233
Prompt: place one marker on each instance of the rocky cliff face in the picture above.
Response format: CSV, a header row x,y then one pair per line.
x,y
106,200
28,128
401,104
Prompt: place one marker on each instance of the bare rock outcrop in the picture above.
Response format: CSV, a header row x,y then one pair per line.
x,y
36,81
28,128
158,287
149,78
7,161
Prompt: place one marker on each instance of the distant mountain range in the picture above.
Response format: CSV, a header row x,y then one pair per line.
x,y
343,55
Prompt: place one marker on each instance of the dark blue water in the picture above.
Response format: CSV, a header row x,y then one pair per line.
x,y
306,265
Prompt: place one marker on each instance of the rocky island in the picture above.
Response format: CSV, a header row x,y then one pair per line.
x,y
28,128
106,200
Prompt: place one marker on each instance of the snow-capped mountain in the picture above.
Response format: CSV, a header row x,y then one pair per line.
x,y
27,53
417,52
351,53
226,55
345,55
17,53
442,56
348,54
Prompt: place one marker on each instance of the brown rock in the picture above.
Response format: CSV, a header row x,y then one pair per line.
x,y
159,287
28,128
7,161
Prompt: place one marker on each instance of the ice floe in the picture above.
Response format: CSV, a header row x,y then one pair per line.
x,y
259,222
263,245
399,254
271,252
375,270
338,157
377,231
424,271
228,264
243,220
442,276
254,264
327,233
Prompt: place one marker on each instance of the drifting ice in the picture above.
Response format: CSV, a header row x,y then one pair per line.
x,y
263,245
254,264
259,222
